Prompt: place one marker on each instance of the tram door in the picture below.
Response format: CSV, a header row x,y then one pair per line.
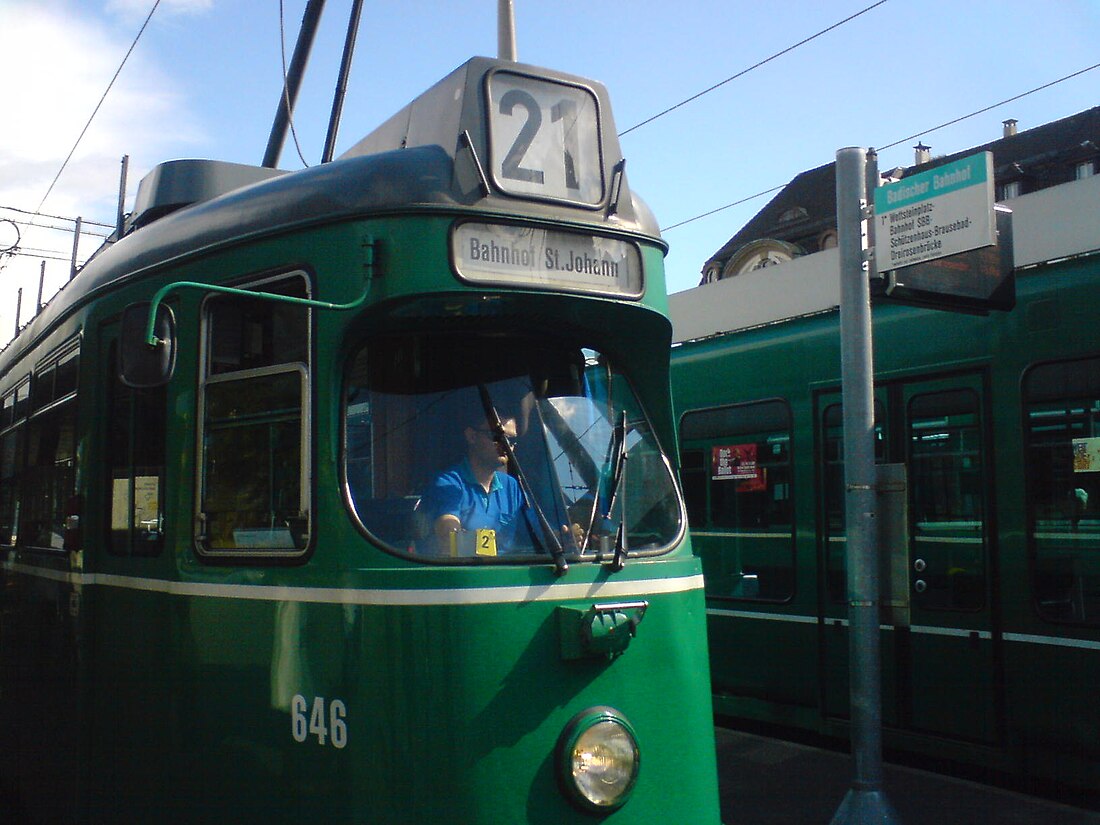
x,y
939,672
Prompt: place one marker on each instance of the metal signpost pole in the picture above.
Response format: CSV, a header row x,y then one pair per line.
x,y
506,30
865,801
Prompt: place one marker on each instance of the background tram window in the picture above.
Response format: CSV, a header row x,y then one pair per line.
x,y
254,489
946,500
12,450
49,476
1062,408
135,467
832,470
740,456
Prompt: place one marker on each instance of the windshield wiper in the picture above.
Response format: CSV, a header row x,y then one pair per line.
x,y
618,470
557,552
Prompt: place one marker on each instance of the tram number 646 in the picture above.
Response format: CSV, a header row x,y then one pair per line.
x,y
327,727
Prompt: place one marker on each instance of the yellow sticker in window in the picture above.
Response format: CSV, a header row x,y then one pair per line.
x,y
485,542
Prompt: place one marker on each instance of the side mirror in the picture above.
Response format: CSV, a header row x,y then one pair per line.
x,y
142,365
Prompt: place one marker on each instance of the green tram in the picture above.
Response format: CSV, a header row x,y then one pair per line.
x,y
990,632
223,597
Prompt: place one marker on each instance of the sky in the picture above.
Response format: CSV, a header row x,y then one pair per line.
x,y
204,79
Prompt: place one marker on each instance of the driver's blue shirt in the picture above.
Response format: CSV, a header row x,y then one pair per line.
x,y
456,492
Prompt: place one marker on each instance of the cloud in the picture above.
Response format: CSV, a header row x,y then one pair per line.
x,y
59,59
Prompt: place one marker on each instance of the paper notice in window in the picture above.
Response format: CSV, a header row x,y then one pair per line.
x,y
146,502
1086,455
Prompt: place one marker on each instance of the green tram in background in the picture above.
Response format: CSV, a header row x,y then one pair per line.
x,y
991,620
219,598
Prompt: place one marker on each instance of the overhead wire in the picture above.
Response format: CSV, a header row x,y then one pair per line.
x,y
66,229
727,206
744,72
991,106
107,91
897,142
85,221
39,254
36,251
18,250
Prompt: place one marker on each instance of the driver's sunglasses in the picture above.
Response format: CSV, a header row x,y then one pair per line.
x,y
492,434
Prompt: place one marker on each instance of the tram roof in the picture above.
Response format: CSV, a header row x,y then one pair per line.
x,y
415,160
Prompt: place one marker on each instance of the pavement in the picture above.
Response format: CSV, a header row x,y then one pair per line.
x,y
764,781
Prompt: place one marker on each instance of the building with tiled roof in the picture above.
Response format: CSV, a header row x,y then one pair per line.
x,y
801,219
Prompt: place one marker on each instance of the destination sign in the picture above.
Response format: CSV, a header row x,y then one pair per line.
x,y
507,255
934,214
977,280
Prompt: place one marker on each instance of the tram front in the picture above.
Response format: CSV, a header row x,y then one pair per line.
x,y
505,442
435,427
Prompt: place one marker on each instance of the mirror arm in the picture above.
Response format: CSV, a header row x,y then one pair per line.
x,y
152,341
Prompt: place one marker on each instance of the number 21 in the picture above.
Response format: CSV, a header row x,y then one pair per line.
x,y
563,110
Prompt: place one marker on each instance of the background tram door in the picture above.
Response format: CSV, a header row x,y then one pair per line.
x,y
939,672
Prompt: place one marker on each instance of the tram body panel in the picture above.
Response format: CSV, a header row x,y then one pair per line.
x,y
43,677
994,660
481,705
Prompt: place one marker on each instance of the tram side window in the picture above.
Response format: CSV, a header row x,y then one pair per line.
x,y
135,467
832,485
255,464
49,474
946,502
1062,408
13,434
737,478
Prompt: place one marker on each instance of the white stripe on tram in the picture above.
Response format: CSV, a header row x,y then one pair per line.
x,y
734,535
774,617
838,622
957,632
1055,641
784,617
354,596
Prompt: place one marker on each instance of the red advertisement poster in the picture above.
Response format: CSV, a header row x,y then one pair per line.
x,y
737,462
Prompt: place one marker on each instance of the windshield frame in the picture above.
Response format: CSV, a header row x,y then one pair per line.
x,y
670,499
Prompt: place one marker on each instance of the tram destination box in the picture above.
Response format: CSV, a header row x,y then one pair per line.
x,y
976,281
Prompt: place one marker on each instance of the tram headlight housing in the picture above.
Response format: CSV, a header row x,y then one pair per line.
x,y
598,759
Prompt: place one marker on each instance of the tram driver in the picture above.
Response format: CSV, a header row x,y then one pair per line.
x,y
475,507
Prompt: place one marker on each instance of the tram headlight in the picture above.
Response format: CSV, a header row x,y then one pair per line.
x,y
598,759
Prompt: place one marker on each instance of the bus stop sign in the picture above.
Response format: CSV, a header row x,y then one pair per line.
x,y
940,242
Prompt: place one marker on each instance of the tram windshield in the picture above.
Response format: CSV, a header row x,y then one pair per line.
x,y
492,449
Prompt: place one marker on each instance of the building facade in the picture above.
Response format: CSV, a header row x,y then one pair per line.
x,y
801,219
